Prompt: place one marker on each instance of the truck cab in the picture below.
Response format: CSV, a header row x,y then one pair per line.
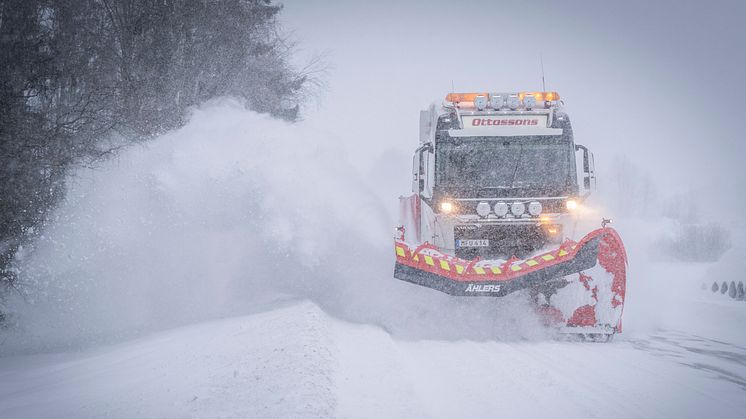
x,y
496,174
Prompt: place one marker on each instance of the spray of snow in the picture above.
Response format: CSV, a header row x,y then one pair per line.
x,y
233,211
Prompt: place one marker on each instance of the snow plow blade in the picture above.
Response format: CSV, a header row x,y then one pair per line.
x,y
596,264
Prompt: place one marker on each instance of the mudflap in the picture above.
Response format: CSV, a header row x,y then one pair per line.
x,y
592,275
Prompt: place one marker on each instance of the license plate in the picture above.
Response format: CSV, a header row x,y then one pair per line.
x,y
473,243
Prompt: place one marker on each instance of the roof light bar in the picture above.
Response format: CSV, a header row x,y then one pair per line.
x,y
497,100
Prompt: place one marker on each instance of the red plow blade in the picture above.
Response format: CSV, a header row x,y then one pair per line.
x,y
587,278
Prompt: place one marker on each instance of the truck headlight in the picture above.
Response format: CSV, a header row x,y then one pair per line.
x,y
534,208
446,207
571,204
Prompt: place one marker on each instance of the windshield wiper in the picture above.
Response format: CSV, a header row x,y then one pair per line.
x,y
517,164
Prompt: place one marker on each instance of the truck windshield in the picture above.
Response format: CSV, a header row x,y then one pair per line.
x,y
505,162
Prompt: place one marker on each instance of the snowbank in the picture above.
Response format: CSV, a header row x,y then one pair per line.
x,y
276,364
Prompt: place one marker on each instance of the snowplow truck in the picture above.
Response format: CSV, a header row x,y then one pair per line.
x,y
498,186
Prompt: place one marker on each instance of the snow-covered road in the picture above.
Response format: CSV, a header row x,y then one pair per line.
x,y
294,360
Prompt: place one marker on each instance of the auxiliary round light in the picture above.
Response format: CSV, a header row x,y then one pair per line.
x,y
501,209
497,102
517,208
529,101
483,209
571,204
534,208
480,102
513,102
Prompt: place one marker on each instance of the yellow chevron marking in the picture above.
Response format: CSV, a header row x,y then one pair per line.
x,y
515,268
459,269
479,270
444,265
399,251
531,262
416,258
562,253
547,257
495,270
429,260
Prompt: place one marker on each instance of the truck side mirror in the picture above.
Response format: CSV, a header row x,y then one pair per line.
x,y
425,175
416,172
586,171
589,173
420,168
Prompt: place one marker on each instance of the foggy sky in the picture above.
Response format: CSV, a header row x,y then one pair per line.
x,y
661,83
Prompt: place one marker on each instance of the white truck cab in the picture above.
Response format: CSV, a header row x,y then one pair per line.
x,y
496,174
